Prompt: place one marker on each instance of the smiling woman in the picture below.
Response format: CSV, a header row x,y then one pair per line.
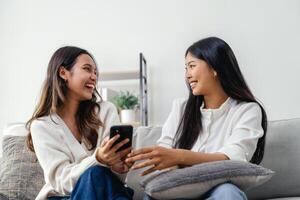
x,y
81,79
220,120
68,132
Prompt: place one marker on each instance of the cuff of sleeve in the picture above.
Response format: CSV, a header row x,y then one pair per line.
x,y
234,153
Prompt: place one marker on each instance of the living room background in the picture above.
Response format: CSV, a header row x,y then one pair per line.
x,y
265,36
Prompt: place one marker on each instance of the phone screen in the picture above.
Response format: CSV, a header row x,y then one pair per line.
x,y
125,131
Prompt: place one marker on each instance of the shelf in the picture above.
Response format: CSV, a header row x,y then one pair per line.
x,y
140,75
119,75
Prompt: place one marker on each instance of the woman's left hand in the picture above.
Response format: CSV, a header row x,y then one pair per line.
x,y
157,157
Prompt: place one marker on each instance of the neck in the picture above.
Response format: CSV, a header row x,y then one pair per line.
x,y
69,109
215,100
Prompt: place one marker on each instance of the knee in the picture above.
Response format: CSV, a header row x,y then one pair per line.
x,y
228,191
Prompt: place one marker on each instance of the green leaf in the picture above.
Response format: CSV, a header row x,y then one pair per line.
x,y
125,100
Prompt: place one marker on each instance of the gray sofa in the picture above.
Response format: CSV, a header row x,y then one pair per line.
x,y
21,176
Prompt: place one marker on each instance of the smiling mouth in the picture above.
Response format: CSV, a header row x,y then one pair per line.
x,y
193,84
90,86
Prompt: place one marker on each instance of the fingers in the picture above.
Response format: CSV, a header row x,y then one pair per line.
x,y
143,156
119,145
117,157
125,152
144,164
113,161
129,164
111,141
148,171
141,151
105,140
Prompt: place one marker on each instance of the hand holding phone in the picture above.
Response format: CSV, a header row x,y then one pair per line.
x,y
115,149
125,132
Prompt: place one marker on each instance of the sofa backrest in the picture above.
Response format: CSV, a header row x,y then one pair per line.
x,y
282,155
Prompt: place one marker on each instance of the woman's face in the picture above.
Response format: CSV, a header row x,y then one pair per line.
x,y
200,77
82,78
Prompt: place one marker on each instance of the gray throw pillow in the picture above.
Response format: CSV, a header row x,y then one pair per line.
x,y
193,182
2,197
20,172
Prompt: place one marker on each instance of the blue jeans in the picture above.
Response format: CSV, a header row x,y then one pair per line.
x,y
225,191
98,183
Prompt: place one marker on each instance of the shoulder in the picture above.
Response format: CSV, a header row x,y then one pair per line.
x,y
44,122
246,111
107,107
108,113
246,107
45,126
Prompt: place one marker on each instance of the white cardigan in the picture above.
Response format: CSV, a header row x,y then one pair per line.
x,y
62,158
233,129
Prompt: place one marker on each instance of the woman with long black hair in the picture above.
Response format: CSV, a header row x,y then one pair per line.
x,y
221,119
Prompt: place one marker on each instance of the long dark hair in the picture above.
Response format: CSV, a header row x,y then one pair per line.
x,y
54,92
219,56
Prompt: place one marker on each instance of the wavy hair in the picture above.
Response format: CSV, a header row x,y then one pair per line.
x,y
54,92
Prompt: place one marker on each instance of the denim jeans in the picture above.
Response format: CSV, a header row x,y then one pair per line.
x,y
225,191
98,183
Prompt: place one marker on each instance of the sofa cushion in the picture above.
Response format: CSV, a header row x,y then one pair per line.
x,y
3,197
20,172
282,154
143,137
192,182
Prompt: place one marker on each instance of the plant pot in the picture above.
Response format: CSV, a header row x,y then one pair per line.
x,y
127,116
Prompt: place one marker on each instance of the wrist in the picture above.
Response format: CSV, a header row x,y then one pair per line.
x,y
181,157
98,157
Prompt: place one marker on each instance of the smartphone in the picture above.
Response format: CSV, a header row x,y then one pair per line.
x,y
125,131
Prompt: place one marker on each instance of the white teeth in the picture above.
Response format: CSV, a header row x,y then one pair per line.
x,y
90,86
193,84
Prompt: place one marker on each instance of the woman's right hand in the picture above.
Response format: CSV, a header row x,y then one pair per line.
x,y
107,153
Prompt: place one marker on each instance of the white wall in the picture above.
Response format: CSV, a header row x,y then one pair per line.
x,y
265,36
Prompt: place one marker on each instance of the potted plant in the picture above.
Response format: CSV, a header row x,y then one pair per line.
x,y
126,102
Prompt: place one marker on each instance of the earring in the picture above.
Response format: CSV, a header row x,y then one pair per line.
x,y
215,74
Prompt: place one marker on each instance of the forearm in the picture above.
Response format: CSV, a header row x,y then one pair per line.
x,y
188,158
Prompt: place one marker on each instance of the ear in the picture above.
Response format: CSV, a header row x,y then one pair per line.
x,y
63,73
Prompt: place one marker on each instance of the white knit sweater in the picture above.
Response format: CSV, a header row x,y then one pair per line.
x,y
62,158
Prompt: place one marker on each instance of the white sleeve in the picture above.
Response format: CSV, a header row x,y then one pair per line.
x,y
109,116
242,142
170,126
55,159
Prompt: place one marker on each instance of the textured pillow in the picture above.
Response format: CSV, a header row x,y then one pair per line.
x,y
194,181
20,172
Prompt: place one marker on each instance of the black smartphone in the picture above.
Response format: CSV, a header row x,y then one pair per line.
x,y
125,131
